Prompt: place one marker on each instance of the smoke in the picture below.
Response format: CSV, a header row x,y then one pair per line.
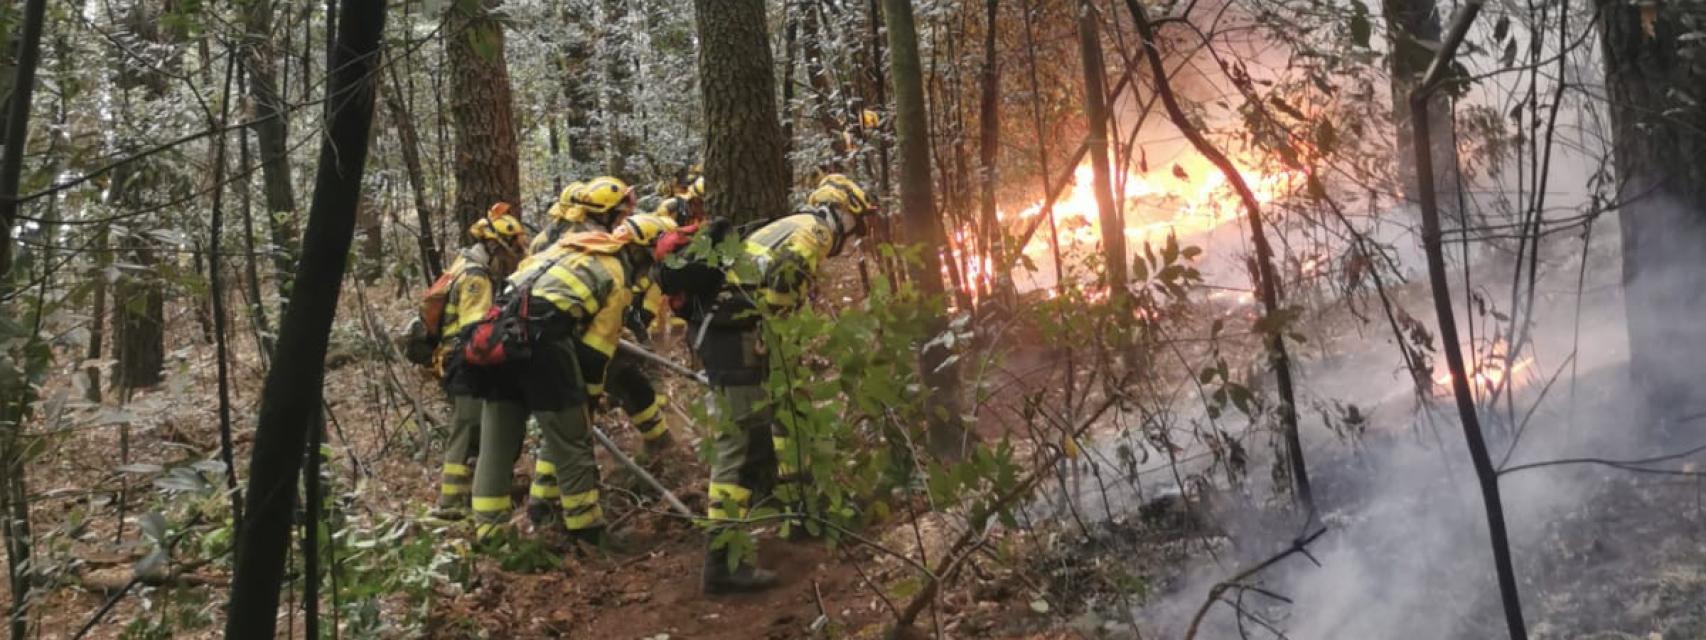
x,y
1406,553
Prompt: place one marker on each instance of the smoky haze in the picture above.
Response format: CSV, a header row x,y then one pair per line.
x,y
1406,552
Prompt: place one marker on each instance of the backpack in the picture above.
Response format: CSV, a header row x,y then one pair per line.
x,y
503,335
423,333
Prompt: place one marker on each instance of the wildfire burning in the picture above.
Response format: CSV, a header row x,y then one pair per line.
x,y
1190,198
1488,377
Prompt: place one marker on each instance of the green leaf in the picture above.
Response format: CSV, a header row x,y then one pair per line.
x,y
906,588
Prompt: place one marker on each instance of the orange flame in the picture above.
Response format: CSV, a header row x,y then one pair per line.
x,y
1188,198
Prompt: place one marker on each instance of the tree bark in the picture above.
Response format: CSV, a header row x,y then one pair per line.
x,y
746,173
575,59
1411,26
17,125
1659,130
292,394
617,91
272,136
874,23
912,133
98,317
1096,110
139,327
989,148
251,268
409,142
488,170
15,499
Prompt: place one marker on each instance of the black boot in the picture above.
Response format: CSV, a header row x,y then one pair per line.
x,y
746,577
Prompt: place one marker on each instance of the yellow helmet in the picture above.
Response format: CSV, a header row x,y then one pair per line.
x,y
673,208
499,226
698,188
643,229
839,190
602,195
870,119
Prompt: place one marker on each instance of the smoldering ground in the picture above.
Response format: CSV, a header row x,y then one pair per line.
x,y
1603,551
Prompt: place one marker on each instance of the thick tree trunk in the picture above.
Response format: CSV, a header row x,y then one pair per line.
x,y
488,170
1096,110
912,133
1657,93
272,127
746,174
575,70
15,528
291,396
138,301
617,89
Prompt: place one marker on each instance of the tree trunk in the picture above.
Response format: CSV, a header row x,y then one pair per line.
x,y
272,127
98,317
409,142
15,402
1413,28
989,149
1096,110
139,322
617,88
291,396
488,170
251,270
1656,100
746,174
575,71
912,133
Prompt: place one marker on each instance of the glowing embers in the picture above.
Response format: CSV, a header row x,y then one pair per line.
x,y
1494,373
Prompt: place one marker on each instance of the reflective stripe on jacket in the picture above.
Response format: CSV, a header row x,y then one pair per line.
x,y
470,293
589,286
787,253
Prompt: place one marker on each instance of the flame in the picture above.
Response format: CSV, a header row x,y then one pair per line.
x,y
1190,197
1489,376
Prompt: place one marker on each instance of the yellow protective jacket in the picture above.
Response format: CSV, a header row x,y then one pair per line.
x,y
787,253
565,220
586,281
471,294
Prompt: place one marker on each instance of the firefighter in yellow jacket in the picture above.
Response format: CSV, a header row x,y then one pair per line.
x,y
575,293
585,206
596,206
784,257
499,243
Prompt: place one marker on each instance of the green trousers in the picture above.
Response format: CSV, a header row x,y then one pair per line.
x,y
457,477
628,384
747,469
566,449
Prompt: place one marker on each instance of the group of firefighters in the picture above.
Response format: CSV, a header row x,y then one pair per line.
x,y
598,267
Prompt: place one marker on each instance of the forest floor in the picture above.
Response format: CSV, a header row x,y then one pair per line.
x,y
1626,560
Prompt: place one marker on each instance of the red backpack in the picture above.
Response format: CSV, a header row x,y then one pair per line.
x,y
503,335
